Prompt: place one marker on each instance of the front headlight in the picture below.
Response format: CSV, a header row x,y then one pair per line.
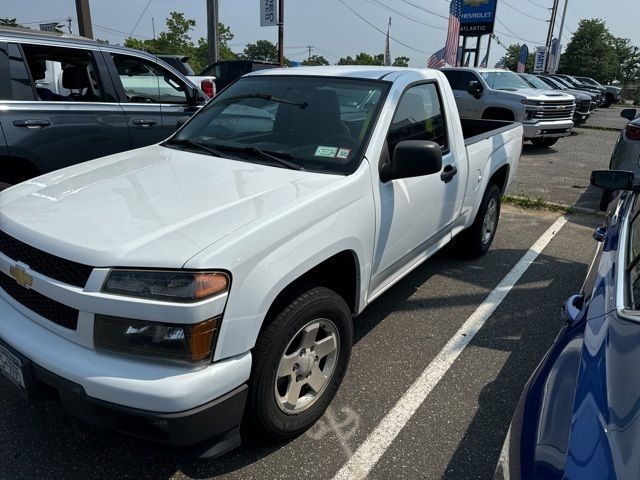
x,y
530,102
165,341
168,286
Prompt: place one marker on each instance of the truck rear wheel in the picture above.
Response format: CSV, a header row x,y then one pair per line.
x,y
544,142
299,361
475,241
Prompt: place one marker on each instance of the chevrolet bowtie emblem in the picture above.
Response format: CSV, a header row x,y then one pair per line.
x,y
20,276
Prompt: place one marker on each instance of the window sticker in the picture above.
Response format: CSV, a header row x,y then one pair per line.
x,y
326,152
343,153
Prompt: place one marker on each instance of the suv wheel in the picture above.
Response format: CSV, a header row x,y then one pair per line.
x,y
299,361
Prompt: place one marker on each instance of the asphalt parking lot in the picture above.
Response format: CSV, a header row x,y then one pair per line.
x,y
457,427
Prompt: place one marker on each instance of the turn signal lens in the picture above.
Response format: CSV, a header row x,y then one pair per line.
x,y
208,284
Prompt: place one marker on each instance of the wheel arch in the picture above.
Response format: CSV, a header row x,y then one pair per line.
x,y
498,113
17,169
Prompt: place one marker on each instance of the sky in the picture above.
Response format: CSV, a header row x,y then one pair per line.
x,y
330,27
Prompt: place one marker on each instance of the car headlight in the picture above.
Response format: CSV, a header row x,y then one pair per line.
x,y
169,286
170,342
530,102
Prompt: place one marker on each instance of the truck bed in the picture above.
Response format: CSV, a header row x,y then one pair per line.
x,y
474,131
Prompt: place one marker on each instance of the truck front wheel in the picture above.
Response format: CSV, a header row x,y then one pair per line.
x,y
476,240
298,363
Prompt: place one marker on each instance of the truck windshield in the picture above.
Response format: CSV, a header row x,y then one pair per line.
x,y
317,123
504,81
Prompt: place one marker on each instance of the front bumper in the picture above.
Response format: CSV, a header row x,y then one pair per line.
x,y
552,129
580,117
217,420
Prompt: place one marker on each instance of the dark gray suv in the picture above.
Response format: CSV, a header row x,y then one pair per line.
x,y
67,99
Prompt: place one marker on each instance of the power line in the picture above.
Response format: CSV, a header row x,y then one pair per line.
x,y
420,7
402,14
379,30
538,5
140,18
523,13
513,35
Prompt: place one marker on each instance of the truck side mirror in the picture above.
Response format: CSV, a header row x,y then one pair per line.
x,y
412,158
612,179
475,88
629,113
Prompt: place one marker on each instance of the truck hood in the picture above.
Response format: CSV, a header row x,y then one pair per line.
x,y
151,207
541,95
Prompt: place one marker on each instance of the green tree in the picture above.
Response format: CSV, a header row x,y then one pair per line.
x,y
512,55
628,61
261,50
9,22
200,57
315,60
363,58
401,62
591,52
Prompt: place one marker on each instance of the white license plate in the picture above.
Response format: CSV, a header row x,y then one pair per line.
x,y
10,367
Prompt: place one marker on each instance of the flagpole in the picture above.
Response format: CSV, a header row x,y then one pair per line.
x,y
489,49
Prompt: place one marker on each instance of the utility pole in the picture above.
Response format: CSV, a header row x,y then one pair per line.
x,y
309,47
564,14
212,30
281,32
69,23
552,24
84,18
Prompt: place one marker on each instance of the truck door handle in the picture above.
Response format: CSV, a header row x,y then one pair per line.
x,y
448,173
31,123
144,122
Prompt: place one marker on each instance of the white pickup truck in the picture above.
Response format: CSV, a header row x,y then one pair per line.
x,y
180,290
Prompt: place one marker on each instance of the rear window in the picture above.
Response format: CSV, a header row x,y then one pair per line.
x,y
20,87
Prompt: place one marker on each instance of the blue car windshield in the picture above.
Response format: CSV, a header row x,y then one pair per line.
x,y
313,123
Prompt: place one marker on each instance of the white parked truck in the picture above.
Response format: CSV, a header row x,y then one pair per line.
x,y
496,94
180,290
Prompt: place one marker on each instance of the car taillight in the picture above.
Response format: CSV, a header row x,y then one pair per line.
x,y
632,132
208,88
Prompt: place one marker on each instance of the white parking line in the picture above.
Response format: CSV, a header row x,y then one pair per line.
x,y
368,454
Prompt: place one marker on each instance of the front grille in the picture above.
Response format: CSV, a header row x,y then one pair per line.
x,y
50,309
53,267
555,110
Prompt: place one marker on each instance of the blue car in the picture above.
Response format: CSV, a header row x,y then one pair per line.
x,y
579,415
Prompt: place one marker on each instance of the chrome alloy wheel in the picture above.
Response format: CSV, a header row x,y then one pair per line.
x,y
490,220
306,366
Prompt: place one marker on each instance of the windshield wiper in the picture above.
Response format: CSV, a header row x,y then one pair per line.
x,y
277,157
188,142
266,96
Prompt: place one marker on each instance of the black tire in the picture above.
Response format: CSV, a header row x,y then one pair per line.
x,y
604,200
263,415
609,100
4,186
472,242
544,142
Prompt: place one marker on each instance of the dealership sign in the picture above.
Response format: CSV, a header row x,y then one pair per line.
x,y
477,17
540,59
268,13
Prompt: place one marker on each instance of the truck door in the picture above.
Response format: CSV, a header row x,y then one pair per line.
x,y
468,105
414,213
153,98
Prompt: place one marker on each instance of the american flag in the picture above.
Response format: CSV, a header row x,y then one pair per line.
x,y
437,59
453,33
522,59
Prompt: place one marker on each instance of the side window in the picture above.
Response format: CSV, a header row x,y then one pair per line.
x,y
21,88
464,79
145,82
633,258
418,117
63,74
452,77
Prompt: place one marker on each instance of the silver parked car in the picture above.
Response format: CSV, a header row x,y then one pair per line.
x,y
626,153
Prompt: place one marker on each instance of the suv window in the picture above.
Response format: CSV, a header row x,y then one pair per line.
x,y
63,74
418,117
19,84
146,82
